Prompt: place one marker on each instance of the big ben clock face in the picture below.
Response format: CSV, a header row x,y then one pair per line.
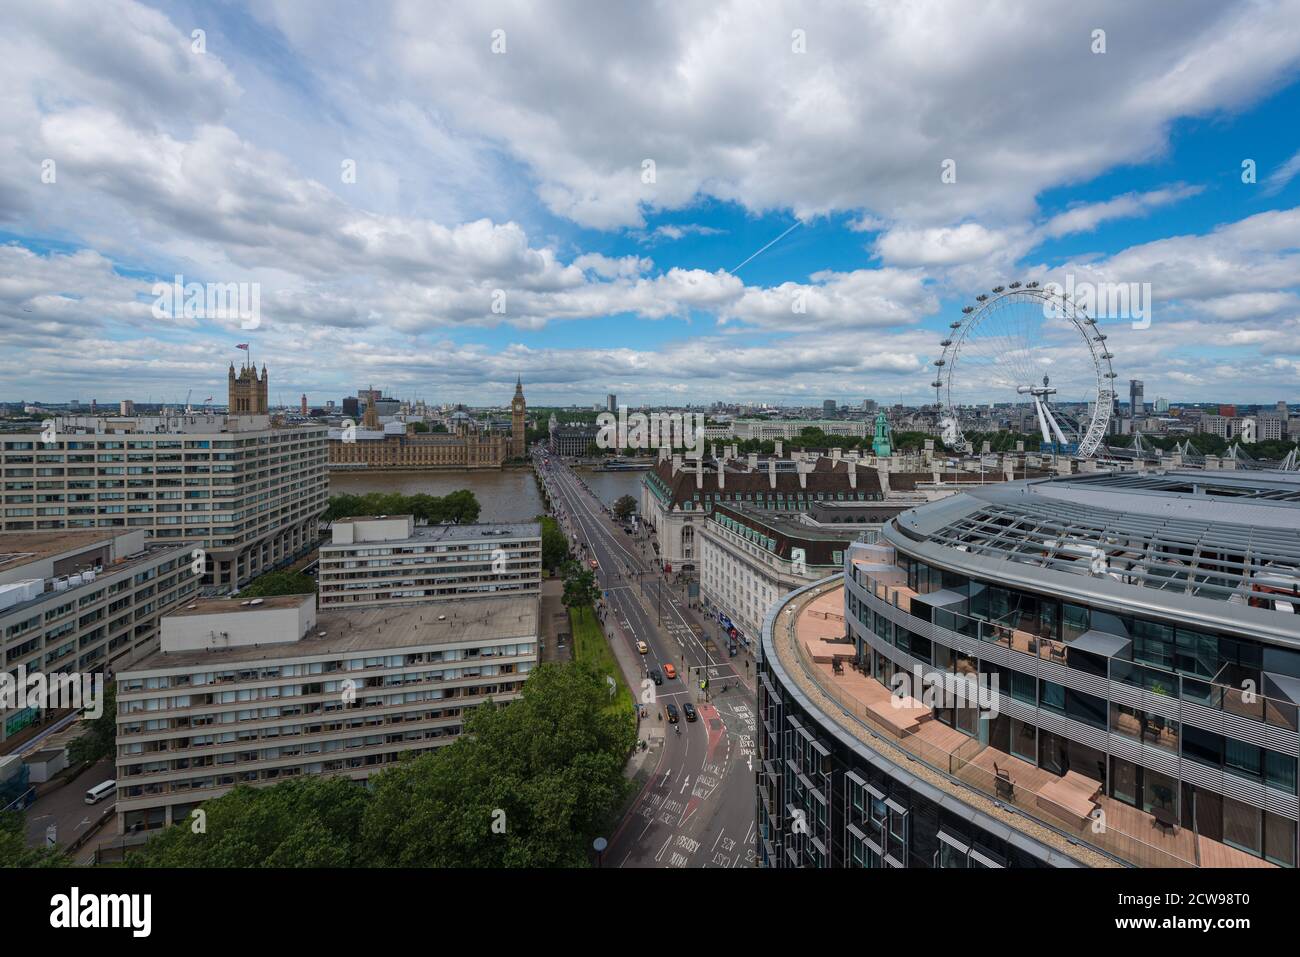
x,y
519,406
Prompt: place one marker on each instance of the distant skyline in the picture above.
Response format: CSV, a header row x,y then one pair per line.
x,y
437,203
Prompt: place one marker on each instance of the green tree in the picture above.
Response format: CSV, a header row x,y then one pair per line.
x,y
100,739
528,784
624,506
460,506
580,588
283,582
555,546
14,851
310,821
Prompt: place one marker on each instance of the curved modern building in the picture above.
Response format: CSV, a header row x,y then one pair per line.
x,y
1094,670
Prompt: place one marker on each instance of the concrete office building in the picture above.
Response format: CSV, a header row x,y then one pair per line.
x,y
677,496
1144,634
247,490
255,692
83,602
772,429
391,560
751,557
571,441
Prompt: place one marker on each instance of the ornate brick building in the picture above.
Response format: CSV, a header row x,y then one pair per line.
x,y
397,446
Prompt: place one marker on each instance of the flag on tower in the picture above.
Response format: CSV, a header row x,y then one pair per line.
x,y
242,345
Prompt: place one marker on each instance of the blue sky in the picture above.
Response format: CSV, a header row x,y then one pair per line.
x,y
514,177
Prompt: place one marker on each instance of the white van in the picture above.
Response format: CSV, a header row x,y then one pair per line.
x,y
100,791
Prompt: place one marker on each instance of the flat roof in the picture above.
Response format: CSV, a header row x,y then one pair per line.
x,y
368,631
479,531
237,603
1217,535
785,522
22,548
14,554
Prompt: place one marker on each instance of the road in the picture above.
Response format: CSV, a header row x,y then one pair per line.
x,y
698,808
66,809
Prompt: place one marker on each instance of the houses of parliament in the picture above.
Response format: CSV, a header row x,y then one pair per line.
x,y
396,445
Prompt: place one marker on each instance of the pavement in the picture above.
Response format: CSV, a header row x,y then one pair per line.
x,y
554,623
697,806
65,807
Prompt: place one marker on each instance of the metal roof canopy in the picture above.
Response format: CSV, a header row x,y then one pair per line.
x,y
1171,531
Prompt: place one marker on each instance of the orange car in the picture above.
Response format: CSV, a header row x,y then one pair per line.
x,y
670,671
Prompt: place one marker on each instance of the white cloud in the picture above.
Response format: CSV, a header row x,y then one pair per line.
x,y
718,100
1282,175
1087,217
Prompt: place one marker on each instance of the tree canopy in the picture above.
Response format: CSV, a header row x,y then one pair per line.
x,y
14,851
580,587
100,739
309,821
546,770
528,784
283,582
624,506
555,546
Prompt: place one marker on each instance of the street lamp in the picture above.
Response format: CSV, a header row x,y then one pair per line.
x,y
599,844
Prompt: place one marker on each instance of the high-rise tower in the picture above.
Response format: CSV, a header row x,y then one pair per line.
x,y
247,392
518,431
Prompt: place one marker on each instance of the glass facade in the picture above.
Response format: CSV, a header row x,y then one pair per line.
x,y
1168,720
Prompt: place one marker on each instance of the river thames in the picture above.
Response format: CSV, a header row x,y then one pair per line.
x,y
508,495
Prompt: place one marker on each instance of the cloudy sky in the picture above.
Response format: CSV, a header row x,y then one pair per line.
x,y
761,201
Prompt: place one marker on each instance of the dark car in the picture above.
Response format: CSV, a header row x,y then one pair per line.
x,y
689,710
657,676
672,713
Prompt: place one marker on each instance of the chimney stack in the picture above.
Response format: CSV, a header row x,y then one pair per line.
x,y
699,472
722,475
778,444
853,473
753,461
882,473
835,454
803,475
771,472
677,464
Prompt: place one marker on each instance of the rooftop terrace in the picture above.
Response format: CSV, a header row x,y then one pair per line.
x,y
1061,812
